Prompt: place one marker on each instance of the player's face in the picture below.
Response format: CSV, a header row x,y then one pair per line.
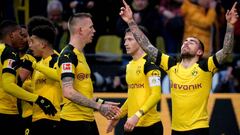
x,y
130,43
190,47
36,45
87,30
19,38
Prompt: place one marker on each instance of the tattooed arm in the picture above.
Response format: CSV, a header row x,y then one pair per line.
x,y
231,17
70,93
126,14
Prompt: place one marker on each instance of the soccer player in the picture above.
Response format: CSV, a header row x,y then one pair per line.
x,y
144,92
190,77
40,43
10,34
77,112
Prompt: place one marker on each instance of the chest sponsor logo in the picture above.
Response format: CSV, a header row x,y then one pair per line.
x,y
136,85
41,81
186,87
82,76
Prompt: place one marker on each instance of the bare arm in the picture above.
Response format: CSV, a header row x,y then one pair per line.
x,y
231,17
107,110
227,45
70,93
127,16
143,41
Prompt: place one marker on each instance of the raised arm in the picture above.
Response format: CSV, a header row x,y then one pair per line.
x,y
127,16
231,17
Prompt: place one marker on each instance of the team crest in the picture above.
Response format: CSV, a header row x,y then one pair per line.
x,y
138,70
194,72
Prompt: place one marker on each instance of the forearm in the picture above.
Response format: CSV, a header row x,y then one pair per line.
x,y
49,72
152,100
12,88
124,109
227,44
70,93
143,40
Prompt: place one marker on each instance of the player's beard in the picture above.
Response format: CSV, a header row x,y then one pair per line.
x,y
187,56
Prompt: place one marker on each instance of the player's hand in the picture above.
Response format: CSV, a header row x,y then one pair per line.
x,y
232,15
110,111
111,103
131,123
126,12
112,124
46,105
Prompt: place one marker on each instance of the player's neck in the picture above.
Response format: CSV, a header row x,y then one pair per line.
x,y
47,52
138,54
188,62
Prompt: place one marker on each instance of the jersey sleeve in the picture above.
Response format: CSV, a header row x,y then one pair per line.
x,y
209,65
10,86
28,59
165,61
50,71
124,109
153,74
10,61
67,63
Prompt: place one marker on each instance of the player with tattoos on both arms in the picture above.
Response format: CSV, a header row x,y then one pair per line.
x,y
190,77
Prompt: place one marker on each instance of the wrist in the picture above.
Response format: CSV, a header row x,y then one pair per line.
x,y
98,106
230,25
100,101
130,21
139,113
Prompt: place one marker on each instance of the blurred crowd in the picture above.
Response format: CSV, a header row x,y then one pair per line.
x,y
173,20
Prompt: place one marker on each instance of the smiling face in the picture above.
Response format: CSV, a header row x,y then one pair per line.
x,y
19,38
191,48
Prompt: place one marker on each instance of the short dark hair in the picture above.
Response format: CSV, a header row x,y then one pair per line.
x,y
45,32
38,20
142,28
6,27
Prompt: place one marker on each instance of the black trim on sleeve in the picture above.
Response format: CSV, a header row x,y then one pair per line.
x,y
53,60
171,62
216,62
159,57
68,56
9,70
67,75
148,66
27,64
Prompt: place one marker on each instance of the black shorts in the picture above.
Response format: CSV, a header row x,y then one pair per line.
x,y
10,124
45,127
81,127
26,125
199,131
155,129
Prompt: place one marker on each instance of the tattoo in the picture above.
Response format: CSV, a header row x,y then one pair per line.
x,y
67,82
227,45
143,41
75,96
